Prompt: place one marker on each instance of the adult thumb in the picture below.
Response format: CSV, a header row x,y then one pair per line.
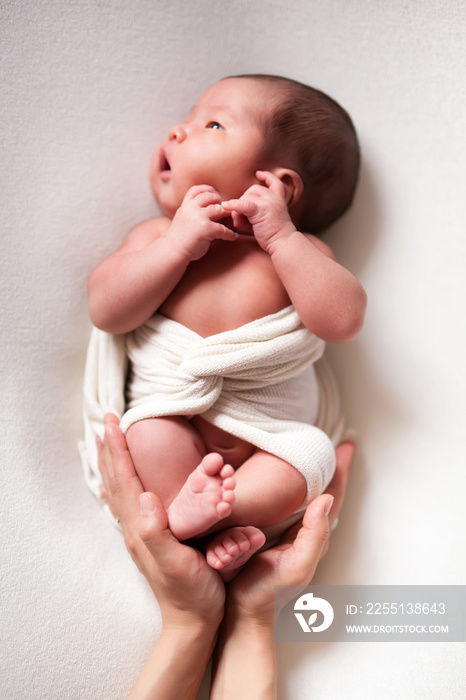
x,y
153,520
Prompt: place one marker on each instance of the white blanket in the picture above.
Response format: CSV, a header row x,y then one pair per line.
x,y
264,382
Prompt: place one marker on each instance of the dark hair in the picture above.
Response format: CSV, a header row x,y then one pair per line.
x,y
311,133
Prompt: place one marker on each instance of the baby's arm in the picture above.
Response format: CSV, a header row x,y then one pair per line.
x,y
328,298
128,287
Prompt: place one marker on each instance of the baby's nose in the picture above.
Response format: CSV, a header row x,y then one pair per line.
x,y
177,133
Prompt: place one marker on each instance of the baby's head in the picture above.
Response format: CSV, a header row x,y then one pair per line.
x,y
307,131
258,122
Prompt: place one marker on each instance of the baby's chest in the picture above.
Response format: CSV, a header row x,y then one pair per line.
x,y
231,285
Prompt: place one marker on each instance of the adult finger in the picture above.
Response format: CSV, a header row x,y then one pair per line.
x,y
147,535
111,418
312,538
172,567
107,462
102,464
337,487
154,532
124,485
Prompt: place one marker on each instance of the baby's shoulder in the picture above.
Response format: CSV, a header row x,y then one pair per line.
x,y
144,233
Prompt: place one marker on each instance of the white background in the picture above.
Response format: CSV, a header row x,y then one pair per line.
x,y
90,88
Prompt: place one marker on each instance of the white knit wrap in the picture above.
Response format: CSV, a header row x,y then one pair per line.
x,y
263,382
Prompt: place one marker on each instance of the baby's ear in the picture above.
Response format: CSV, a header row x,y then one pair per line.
x,y
292,183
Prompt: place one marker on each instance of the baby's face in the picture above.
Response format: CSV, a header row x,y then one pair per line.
x,y
219,144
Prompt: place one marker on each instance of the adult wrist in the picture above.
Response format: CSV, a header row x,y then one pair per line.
x,y
245,664
177,662
260,617
256,624
188,631
198,625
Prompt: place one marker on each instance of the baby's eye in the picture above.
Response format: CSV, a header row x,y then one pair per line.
x,y
213,125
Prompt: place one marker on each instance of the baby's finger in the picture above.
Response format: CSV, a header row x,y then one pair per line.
x,y
239,220
242,206
195,190
230,205
271,180
215,212
204,199
224,233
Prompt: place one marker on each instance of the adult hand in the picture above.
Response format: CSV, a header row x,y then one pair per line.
x,y
187,589
245,665
294,560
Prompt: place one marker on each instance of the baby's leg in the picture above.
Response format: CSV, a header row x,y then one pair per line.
x,y
195,488
268,490
165,451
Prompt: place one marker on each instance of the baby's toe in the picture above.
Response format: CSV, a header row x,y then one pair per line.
x,y
212,464
230,546
226,471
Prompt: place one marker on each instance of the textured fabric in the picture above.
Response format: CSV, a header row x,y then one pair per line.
x,y
259,382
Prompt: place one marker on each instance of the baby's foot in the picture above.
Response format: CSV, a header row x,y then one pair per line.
x,y
230,549
206,498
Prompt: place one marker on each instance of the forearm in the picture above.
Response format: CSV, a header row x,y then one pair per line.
x,y
128,287
328,298
245,662
176,665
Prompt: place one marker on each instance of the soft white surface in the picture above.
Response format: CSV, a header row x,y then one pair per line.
x,y
90,88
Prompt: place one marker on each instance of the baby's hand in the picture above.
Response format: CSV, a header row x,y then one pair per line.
x,y
264,206
196,223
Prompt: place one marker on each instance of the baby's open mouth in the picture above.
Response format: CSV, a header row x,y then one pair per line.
x,y
164,164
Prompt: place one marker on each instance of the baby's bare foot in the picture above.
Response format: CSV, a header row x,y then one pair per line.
x,y
231,548
206,498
